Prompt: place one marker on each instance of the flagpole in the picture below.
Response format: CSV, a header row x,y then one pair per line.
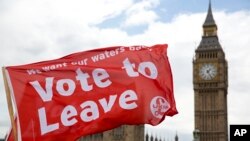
x,y
9,101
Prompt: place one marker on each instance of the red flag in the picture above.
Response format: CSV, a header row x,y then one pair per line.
x,y
92,91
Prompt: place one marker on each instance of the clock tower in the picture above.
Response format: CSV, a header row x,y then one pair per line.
x,y
210,82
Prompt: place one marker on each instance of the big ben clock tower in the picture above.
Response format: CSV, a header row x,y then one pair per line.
x,y
210,81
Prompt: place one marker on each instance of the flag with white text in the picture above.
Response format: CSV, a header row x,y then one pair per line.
x,y
92,91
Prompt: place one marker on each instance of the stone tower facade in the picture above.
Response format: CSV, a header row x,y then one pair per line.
x,y
210,81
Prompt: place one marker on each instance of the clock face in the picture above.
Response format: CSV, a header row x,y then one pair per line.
x,y
208,71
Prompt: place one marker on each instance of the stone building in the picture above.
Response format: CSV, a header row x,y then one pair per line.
x,y
122,133
210,82
126,133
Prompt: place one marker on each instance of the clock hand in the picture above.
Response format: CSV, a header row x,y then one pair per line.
x,y
210,75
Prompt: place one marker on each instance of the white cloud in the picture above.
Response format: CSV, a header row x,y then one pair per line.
x,y
38,27
141,18
76,11
141,13
235,39
45,30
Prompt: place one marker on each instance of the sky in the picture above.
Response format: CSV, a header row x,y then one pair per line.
x,y
35,30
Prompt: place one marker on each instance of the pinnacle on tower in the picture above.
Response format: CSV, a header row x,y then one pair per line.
x,y
176,137
209,19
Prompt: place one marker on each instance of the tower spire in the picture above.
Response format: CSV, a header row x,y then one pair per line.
x,y
209,19
209,26
208,52
176,137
